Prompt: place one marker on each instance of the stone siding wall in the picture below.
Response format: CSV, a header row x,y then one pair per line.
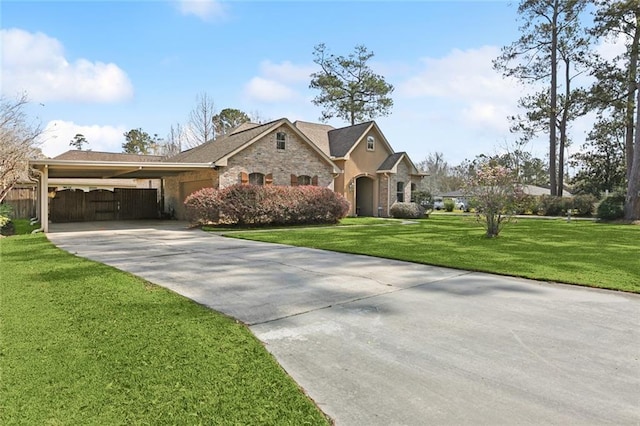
x,y
262,157
383,197
402,175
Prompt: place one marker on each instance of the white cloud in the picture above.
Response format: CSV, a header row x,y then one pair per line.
x,y
287,72
265,90
58,133
462,74
610,49
467,90
279,82
46,75
207,10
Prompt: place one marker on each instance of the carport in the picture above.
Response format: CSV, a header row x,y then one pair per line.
x,y
74,169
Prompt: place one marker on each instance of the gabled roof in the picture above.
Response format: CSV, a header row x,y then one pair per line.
x,y
214,150
244,126
220,150
343,140
80,155
318,133
390,164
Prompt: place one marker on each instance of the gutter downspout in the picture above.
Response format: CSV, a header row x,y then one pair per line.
x,y
35,219
39,201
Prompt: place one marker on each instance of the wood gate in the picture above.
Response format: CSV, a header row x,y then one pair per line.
x,y
121,204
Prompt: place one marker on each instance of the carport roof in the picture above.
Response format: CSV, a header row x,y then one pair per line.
x,y
114,169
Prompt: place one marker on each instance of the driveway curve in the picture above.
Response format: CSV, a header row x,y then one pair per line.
x,y
381,342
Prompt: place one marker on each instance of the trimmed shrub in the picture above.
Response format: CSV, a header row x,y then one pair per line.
x,y
266,205
203,206
527,204
566,204
583,205
550,205
407,210
612,207
449,205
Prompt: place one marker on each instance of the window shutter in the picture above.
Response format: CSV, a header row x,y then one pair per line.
x,y
294,180
244,178
268,179
314,180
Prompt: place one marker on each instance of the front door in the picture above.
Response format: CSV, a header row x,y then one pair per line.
x,y
364,196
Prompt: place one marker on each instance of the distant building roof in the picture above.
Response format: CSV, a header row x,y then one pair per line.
x,y
80,155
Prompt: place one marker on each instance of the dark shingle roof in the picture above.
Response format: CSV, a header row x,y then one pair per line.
x,y
391,161
216,149
79,155
342,140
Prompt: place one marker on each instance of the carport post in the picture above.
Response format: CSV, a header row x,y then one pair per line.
x,y
44,199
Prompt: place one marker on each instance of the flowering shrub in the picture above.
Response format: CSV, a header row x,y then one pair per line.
x,y
266,205
407,210
495,197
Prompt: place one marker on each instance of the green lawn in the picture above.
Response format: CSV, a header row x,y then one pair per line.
x,y
576,252
83,343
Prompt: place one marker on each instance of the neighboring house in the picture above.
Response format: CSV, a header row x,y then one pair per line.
x,y
355,161
537,191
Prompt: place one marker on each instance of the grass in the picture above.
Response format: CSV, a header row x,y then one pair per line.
x,y
84,343
24,226
348,221
577,252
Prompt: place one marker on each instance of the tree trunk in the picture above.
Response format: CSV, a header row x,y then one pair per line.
x,y
553,101
632,82
563,127
632,205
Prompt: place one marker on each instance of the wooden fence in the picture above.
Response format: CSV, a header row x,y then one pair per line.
x,y
121,204
22,202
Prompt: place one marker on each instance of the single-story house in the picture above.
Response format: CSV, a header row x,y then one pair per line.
x,y
355,161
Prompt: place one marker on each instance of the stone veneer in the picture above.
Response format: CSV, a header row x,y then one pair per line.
x,y
297,158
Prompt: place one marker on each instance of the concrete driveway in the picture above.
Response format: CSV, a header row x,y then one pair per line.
x,y
381,342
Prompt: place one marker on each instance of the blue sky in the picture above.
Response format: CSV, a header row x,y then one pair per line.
x,y
102,68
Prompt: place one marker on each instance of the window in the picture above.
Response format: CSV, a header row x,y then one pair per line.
x,y
413,191
371,143
400,191
256,179
304,180
281,141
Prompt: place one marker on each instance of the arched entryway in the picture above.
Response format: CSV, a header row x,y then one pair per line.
x,y
364,196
